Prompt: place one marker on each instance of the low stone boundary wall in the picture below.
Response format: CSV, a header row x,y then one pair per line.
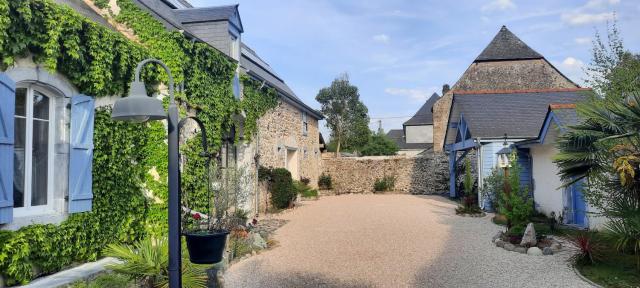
x,y
426,174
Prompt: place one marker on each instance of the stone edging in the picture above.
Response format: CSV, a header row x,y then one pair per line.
x,y
66,277
585,279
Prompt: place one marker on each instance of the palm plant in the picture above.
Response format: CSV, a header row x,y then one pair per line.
x,y
147,262
605,149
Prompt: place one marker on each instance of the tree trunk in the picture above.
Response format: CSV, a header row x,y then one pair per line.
x,y
338,149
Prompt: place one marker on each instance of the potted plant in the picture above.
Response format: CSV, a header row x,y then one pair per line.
x,y
206,236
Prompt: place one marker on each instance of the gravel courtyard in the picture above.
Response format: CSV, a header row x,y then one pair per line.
x,y
393,241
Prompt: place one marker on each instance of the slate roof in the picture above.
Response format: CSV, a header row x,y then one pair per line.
x,y
507,46
206,14
258,68
565,114
424,116
518,114
397,135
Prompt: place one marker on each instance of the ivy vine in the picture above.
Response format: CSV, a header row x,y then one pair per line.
x,y
101,62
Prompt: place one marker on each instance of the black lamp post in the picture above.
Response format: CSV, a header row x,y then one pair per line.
x,y
138,107
504,163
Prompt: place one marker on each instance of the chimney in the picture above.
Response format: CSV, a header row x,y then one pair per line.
x,y
445,89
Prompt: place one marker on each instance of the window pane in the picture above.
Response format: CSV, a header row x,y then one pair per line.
x,y
19,162
40,105
21,98
40,162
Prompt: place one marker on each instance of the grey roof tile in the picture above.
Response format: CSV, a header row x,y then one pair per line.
x,y
254,65
519,115
507,46
205,14
424,116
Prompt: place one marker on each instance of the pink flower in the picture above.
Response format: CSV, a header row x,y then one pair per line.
x,y
196,216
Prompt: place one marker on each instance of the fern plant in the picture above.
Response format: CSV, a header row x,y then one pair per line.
x,y
147,262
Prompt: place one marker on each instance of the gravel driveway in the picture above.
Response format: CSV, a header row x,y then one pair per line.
x,y
393,241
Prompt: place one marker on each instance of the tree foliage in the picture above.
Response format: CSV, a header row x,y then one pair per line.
x,y
346,115
604,148
514,200
380,145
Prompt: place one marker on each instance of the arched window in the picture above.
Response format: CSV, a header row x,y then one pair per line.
x,y
33,150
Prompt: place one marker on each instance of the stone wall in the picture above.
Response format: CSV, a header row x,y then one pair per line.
x,y
414,175
280,132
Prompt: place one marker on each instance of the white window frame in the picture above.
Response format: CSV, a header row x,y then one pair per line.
x,y
235,46
305,124
28,210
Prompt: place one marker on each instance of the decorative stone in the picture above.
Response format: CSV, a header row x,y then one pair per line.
x,y
257,241
547,251
521,250
556,247
509,247
499,243
534,251
496,237
529,236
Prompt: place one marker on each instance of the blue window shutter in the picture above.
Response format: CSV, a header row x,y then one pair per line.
x,y
81,154
7,111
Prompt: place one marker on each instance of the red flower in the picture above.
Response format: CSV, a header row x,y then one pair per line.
x,y
196,216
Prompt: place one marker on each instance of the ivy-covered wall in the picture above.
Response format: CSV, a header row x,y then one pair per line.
x,y
101,62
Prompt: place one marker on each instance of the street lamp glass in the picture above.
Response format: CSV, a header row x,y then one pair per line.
x,y
138,107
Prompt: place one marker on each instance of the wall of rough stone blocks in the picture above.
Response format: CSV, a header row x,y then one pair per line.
x,y
281,129
414,175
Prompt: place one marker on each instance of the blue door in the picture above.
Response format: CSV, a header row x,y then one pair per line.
x,y
575,206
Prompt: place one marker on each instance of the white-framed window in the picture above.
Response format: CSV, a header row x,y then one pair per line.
x,y
305,124
33,150
234,49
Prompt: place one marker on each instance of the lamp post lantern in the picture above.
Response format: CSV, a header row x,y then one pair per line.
x,y
138,107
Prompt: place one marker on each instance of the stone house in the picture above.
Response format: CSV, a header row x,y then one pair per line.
x,y
288,135
416,135
500,101
507,63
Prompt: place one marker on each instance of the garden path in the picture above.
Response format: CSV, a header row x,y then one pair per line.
x,y
393,241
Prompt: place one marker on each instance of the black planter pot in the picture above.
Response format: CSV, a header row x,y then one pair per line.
x,y
206,247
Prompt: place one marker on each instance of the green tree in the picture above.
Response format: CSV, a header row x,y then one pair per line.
x,y
345,114
514,201
604,148
380,145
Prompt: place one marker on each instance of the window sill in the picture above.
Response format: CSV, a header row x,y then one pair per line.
x,y
47,217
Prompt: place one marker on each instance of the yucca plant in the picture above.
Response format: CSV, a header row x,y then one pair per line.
x,y
587,248
147,263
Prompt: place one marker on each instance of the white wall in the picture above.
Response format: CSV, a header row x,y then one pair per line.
x,y
547,194
419,134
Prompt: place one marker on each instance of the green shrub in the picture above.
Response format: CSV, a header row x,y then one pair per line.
x,y
380,145
147,262
387,183
282,190
304,190
515,205
325,182
108,280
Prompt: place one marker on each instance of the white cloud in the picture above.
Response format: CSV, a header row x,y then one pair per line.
x,y
381,38
573,68
583,40
596,4
499,5
416,94
580,18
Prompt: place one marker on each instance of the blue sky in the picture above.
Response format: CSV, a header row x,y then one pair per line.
x,y
399,52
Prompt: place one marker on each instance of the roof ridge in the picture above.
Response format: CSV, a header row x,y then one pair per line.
x,y
507,46
516,91
555,106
